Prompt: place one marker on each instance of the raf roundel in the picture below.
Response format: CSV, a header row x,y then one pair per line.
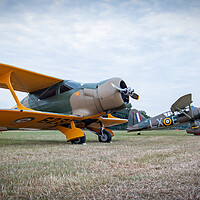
x,y
167,121
24,120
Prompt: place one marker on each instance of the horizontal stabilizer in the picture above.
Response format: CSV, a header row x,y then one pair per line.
x,y
112,121
182,102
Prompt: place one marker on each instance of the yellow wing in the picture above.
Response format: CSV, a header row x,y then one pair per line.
x,y
14,118
112,121
29,119
26,81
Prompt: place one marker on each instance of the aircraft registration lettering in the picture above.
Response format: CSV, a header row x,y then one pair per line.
x,y
163,122
151,124
160,122
52,120
174,120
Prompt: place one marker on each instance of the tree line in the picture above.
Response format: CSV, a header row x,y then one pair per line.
x,y
124,115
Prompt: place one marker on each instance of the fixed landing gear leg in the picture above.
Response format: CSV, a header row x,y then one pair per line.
x,y
105,136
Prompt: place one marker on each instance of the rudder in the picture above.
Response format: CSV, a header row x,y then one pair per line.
x,y
135,117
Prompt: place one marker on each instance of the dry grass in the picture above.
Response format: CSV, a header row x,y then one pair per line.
x,y
155,165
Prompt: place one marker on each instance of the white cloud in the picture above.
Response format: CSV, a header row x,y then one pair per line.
x,y
153,45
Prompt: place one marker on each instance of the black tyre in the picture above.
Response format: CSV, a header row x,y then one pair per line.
x,y
80,140
105,137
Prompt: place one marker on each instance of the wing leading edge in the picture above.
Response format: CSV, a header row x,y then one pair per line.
x,y
29,119
14,78
25,80
182,102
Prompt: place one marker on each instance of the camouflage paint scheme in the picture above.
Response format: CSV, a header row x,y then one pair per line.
x,y
182,115
81,100
64,105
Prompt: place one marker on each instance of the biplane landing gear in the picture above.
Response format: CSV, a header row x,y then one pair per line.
x,y
105,137
80,140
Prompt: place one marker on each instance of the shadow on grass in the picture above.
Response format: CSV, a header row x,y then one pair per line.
x,y
7,142
34,142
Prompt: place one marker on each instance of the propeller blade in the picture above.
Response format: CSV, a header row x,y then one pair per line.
x,y
128,91
118,88
135,96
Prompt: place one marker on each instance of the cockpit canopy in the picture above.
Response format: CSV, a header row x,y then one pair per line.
x,y
72,84
59,88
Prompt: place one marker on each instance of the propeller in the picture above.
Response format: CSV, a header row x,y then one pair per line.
x,y
127,91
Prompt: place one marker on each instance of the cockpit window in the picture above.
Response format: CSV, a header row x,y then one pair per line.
x,y
73,84
69,85
64,88
48,93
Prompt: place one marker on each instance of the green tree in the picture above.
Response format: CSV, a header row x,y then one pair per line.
x,y
124,115
144,114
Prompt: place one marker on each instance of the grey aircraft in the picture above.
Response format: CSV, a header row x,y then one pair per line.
x,y
181,112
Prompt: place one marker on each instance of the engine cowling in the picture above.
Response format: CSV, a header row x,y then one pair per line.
x,y
110,98
100,97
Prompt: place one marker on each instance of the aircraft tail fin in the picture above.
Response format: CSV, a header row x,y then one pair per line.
x,y
135,117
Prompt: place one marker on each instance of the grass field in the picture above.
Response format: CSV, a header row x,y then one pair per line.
x,y
155,165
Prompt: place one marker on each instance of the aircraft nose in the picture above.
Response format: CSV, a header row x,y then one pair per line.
x,y
126,91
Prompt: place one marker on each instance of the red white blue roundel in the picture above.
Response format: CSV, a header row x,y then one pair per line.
x,y
167,121
24,120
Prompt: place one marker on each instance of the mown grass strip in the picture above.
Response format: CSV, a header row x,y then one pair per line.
x,y
155,165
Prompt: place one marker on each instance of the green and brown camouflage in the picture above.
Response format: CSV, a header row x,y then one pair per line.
x,y
71,97
65,105
84,100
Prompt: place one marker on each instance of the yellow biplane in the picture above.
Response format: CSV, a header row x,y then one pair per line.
x,y
64,105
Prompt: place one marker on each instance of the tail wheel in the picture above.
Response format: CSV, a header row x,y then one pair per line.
x,y
105,137
80,140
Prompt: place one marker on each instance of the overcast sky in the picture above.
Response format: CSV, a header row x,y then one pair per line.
x,y
153,45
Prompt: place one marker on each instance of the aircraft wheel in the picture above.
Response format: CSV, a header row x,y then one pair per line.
x,y
80,140
105,136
